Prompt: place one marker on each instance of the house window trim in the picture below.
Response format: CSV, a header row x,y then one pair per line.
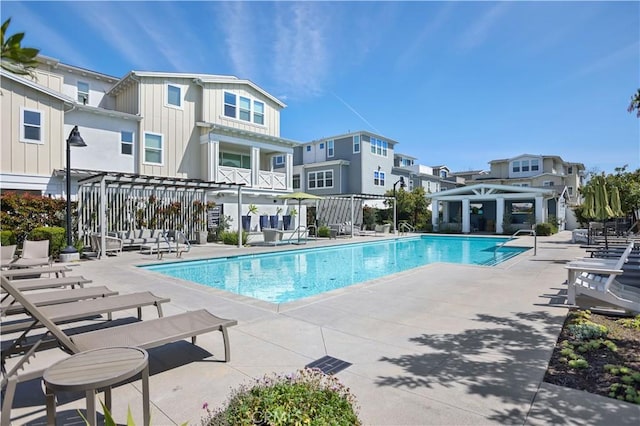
x,y
245,110
315,179
331,151
379,147
357,144
132,143
276,158
258,114
379,178
144,156
23,138
166,94
78,92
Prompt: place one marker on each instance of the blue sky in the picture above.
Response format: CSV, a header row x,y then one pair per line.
x,y
456,83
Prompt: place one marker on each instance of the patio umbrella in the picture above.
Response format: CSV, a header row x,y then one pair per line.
x,y
299,196
602,210
615,204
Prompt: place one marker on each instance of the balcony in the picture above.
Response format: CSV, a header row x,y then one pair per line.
x,y
266,179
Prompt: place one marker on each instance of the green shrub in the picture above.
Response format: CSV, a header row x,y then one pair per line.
x,y
231,238
543,229
588,330
7,238
308,397
24,212
56,236
324,231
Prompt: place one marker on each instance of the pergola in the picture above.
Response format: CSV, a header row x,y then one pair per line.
x,y
354,198
127,201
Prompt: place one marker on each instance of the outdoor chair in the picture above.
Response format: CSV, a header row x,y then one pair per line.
x,y
7,255
599,280
144,334
34,253
54,297
272,236
112,244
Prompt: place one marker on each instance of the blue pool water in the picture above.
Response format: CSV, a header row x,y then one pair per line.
x,y
286,276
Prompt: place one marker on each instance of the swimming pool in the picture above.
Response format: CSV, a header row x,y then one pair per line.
x,y
291,275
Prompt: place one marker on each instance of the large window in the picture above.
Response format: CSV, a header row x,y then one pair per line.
x,y
330,150
258,112
525,166
233,159
323,179
378,178
379,147
245,109
83,92
229,105
174,95
296,181
356,144
126,142
535,165
516,167
31,126
152,148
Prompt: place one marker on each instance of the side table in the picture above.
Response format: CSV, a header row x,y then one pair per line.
x,y
96,369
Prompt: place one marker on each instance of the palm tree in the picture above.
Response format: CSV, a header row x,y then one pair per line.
x,y
15,58
635,103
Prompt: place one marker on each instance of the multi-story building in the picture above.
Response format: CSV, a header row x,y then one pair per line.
x,y
212,128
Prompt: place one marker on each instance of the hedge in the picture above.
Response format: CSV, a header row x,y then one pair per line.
x,y
55,234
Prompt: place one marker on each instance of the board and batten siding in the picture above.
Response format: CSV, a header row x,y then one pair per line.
x,y
127,99
213,108
181,139
31,158
49,80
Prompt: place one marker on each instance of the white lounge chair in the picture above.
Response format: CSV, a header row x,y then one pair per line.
x,y
599,281
34,253
7,255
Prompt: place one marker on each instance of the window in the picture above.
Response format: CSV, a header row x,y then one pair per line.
x,y
378,178
535,165
356,144
570,170
152,148
278,160
570,190
547,183
308,148
31,126
258,112
174,95
379,147
296,181
229,105
330,150
321,145
83,92
443,174
323,179
516,167
405,162
245,109
126,142
232,159
525,166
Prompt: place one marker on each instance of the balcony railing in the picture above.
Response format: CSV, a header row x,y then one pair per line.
x,y
266,179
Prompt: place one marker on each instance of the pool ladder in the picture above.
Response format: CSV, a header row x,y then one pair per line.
x,y
530,232
405,227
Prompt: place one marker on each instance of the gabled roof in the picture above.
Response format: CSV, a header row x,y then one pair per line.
x,y
35,86
55,63
198,78
484,189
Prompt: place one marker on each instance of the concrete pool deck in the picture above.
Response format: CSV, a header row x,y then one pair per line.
x,y
440,344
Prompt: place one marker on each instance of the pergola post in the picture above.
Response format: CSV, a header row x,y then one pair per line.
x,y
239,216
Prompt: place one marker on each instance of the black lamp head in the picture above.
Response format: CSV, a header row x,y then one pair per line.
x,y
402,184
75,139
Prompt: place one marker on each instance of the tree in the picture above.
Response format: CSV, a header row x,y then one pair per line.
x,y
635,104
15,58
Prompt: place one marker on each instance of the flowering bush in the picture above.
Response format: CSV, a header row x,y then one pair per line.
x,y
307,397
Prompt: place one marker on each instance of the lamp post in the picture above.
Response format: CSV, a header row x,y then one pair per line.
x,y
395,202
74,140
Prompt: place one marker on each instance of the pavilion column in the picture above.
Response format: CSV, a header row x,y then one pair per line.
x,y
435,212
288,167
540,210
255,166
213,155
445,212
239,216
499,215
466,216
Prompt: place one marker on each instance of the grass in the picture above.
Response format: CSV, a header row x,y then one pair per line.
x,y
599,354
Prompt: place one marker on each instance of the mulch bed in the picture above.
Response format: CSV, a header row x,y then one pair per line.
x,y
595,379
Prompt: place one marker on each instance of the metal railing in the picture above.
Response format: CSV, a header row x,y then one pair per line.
x,y
405,227
531,231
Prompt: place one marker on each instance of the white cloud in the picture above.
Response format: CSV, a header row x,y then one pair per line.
x,y
236,23
301,59
479,31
